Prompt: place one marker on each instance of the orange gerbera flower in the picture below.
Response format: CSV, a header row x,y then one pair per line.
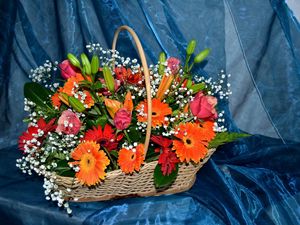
x,y
130,160
159,111
193,141
69,87
91,161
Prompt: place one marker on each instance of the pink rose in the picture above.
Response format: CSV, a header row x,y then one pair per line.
x,y
122,119
67,69
68,123
173,64
203,106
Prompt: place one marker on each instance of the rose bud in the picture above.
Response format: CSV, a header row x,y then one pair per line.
x,y
67,69
122,119
173,64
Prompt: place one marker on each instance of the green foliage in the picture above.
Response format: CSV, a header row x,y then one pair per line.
x,y
225,137
38,94
162,181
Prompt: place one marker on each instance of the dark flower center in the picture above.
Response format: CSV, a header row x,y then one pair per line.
x,y
154,113
188,141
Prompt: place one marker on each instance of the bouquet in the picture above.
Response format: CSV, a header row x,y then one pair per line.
x,y
94,119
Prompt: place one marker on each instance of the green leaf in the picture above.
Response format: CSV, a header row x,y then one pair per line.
x,y
225,137
95,64
162,181
101,121
73,60
76,104
63,169
97,85
85,63
114,153
37,94
197,87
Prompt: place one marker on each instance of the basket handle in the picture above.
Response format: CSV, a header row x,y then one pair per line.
x,y
146,74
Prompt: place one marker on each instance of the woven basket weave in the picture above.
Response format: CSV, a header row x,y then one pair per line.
x,y
117,184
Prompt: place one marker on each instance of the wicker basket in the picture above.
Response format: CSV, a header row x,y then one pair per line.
x,y
116,183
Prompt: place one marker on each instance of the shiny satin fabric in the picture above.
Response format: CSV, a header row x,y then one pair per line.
x,y
254,181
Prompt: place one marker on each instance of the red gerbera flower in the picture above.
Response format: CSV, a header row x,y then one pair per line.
x,y
167,158
31,137
106,138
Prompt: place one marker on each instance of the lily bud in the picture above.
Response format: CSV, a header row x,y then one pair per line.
x,y
197,87
202,55
95,64
162,60
109,80
86,63
73,60
191,47
76,104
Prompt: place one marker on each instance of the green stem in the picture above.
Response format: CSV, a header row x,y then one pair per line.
x,y
127,136
115,166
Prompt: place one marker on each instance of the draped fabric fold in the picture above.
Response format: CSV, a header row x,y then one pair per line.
x,y
252,181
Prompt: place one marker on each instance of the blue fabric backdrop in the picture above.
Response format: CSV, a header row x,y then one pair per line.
x,y
253,181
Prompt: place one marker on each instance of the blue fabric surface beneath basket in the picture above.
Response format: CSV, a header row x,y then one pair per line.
x,y
253,181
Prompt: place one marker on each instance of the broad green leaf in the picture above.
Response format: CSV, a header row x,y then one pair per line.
x,y
162,181
37,94
95,64
225,137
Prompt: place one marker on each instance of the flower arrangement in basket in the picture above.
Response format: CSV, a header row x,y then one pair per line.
x,y
91,135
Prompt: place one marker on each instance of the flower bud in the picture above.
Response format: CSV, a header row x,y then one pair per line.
x,y
202,55
109,80
191,47
162,60
85,63
73,60
76,104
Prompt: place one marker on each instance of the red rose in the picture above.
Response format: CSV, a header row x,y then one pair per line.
x,y
203,106
122,119
67,69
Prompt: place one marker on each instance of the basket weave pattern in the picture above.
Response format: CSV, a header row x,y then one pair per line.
x,y
117,184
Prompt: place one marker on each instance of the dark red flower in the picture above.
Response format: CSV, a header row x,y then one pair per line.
x,y
25,140
106,138
126,76
167,159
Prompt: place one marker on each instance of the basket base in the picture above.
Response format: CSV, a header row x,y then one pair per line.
x,y
118,185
